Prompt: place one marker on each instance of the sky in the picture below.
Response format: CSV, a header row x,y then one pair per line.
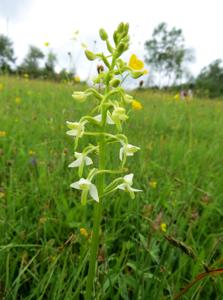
x,y
55,21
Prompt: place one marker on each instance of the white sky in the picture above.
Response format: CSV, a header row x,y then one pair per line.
x,y
37,21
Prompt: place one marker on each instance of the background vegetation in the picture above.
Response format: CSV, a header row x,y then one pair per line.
x,y
151,246
166,54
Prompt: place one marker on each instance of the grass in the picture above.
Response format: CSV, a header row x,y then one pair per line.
x,y
43,255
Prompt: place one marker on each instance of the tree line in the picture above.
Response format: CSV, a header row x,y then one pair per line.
x,y
36,64
166,55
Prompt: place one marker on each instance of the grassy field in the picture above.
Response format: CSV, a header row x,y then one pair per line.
x,y
150,247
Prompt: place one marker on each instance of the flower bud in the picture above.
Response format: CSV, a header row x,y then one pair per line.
x,y
109,47
121,48
115,82
80,96
121,27
103,34
115,38
90,55
128,99
126,28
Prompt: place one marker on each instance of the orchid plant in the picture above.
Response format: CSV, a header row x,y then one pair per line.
x,y
108,117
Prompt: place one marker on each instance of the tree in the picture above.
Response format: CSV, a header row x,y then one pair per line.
x,y
210,80
167,55
50,62
49,69
6,53
31,62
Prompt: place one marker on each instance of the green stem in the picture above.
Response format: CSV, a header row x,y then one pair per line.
x,y
97,220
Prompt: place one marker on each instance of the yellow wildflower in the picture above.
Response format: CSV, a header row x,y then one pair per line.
x,y
135,63
83,232
46,44
18,100
136,105
163,227
2,195
2,133
77,78
152,184
31,152
176,97
1,86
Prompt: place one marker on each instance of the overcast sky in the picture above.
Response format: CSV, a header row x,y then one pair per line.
x,y
37,21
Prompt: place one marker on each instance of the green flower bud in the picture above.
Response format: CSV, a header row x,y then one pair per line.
x,y
90,55
121,48
103,34
115,38
126,28
121,27
109,47
128,99
80,96
115,82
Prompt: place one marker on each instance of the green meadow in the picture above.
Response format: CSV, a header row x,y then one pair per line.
x,y
151,247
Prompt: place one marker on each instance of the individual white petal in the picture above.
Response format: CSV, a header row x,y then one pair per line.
x,y
131,149
71,124
109,119
72,132
128,178
88,161
121,153
75,163
78,154
75,185
121,186
97,118
94,192
134,190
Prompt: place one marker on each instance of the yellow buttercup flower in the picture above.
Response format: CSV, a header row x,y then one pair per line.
x,y
135,63
83,232
2,133
31,152
136,105
163,227
77,78
18,100
46,44
176,97
2,195
152,184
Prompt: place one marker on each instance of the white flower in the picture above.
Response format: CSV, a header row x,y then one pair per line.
x,y
86,185
119,114
81,160
127,185
127,150
108,119
80,96
77,128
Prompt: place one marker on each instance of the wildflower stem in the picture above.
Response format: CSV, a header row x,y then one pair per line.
x,y
97,216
